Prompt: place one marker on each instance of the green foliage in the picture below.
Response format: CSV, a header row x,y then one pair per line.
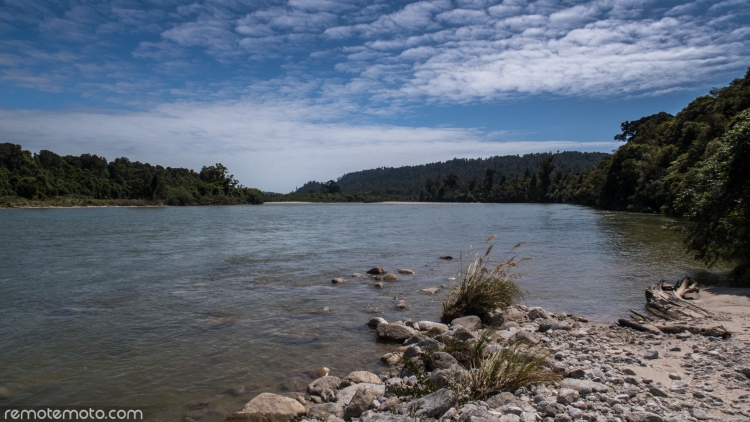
x,y
46,176
715,195
481,290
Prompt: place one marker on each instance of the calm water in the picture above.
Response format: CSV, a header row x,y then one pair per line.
x,y
167,308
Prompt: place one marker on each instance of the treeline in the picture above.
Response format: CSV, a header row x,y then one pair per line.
x,y
47,176
409,182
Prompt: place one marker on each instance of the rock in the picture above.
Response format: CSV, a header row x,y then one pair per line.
x,y
430,406
267,407
361,401
535,313
463,334
674,376
390,404
374,322
440,360
510,417
358,377
346,394
5,393
376,271
401,304
429,325
376,277
338,280
394,332
320,385
651,355
500,399
234,391
628,371
579,373
379,285
584,387
446,377
567,396
430,291
643,417
700,414
390,277
744,371
405,271
446,257
550,409
357,275
391,359
524,336
553,325
384,417
322,411
494,318
322,372
333,418
514,314
658,392
471,322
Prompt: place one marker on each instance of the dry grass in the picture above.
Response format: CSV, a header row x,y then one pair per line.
x,y
481,289
514,366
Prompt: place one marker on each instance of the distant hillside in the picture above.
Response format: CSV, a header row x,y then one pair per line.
x,y
409,181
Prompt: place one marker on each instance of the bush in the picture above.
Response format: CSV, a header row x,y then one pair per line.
x,y
482,290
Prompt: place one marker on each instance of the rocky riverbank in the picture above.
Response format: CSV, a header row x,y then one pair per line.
x,y
605,373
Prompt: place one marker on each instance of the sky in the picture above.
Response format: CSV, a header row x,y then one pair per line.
x,y
283,92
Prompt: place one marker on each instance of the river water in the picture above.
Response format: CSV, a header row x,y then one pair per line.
x,y
194,310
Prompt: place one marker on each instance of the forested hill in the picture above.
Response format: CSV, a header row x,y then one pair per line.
x,y
410,181
47,178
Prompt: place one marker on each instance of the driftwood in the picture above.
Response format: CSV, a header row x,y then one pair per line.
x,y
668,302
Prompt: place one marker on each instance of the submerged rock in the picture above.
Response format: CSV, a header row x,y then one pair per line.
x,y
405,271
267,407
430,291
374,322
401,304
446,257
376,271
379,285
390,277
338,280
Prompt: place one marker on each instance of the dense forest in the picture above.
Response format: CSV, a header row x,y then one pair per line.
x,y
48,178
409,182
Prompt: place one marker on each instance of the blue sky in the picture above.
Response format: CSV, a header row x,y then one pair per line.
x,y
283,92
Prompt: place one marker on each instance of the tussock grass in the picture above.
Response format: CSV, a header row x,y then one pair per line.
x,y
513,366
482,289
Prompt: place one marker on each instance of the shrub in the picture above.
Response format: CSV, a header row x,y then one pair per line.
x,y
481,290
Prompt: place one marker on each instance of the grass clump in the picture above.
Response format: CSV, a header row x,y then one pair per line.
x,y
507,369
482,289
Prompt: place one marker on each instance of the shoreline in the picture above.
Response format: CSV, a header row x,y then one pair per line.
x,y
607,373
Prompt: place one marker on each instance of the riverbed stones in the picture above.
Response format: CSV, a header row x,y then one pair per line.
x,y
267,407
394,332
429,326
338,280
358,377
378,285
361,401
322,411
405,271
376,271
440,360
357,275
471,322
535,313
400,304
345,394
374,322
430,406
567,396
322,372
390,277
391,359
321,385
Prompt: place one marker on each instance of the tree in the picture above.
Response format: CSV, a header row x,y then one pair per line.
x,y
330,187
716,196
545,170
489,178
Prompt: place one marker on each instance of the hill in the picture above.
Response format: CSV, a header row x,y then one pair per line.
x,y
409,182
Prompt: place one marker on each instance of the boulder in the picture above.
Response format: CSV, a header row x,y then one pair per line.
x,y
500,399
333,418
463,334
374,322
322,411
376,271
390,277
471,322
322,372
430,406
267,407
361,401
394,332
524,336
440,360
494,318
391,359
358,377
325,383
405,271
338,280
535,313
567,396
429,325
514,314
451,376
346,394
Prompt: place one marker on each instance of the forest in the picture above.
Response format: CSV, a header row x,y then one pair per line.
x,y
46,178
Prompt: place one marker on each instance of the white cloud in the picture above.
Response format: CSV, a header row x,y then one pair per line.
x,y
274,146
